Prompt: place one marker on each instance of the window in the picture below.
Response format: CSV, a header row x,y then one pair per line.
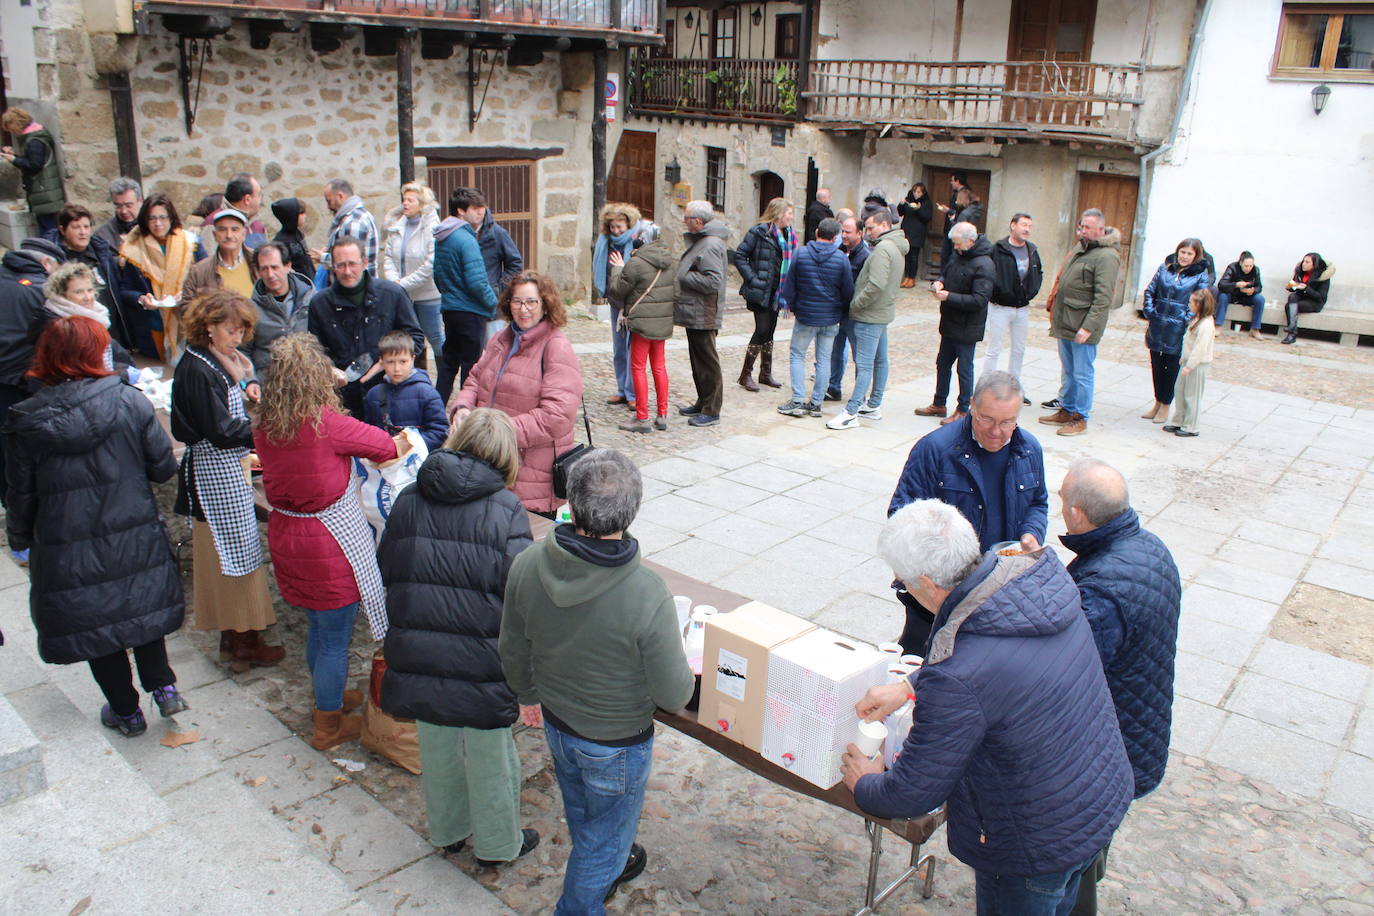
x,y
724,30
787,37
715,177
1326,42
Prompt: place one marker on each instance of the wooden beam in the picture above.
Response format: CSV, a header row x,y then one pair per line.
x,y
405,103
808,26
126,136
599,68
958,27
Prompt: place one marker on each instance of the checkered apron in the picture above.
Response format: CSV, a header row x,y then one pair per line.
x,y
224,493
345,522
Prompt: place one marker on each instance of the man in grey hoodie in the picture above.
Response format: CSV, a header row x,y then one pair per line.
x,y
700,307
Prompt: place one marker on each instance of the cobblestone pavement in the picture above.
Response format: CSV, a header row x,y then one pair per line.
x,y
1268,804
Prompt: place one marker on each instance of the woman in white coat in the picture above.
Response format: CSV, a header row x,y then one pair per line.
x,y
408,259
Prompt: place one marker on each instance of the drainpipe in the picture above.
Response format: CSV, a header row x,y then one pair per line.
x,y
1147,160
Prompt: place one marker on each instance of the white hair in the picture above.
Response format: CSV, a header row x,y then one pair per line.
x,y
963,232
929,538
699,209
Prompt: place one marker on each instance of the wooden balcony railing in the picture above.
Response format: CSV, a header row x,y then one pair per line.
x,y
626,15
1044,98
736,89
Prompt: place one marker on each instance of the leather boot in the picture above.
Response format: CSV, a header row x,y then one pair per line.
x,y
333,728
1292,329
352,699
766,367
746,375
251,652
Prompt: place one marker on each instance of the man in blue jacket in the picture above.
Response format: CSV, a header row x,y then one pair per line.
x,y
1014,726
817,288
856,248
1128,584
466,300
989,469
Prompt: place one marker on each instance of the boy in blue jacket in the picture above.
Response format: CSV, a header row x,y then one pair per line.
x,y
405,397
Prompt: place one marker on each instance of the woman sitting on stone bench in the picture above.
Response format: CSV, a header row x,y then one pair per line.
x,y
1307,290
1241,284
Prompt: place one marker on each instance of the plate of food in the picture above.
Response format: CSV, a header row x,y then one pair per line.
x,y
1014,549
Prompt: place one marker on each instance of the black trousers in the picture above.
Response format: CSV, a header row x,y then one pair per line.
x,y
701,351
949,354
765,323
1164,368
462,348
115,679
913,259
9,396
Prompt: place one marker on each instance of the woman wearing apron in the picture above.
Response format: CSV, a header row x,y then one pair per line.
x,y
208,415
322,549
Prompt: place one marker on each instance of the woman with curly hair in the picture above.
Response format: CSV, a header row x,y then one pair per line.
x,y
614,246
208,415
529,370
70,292
322,548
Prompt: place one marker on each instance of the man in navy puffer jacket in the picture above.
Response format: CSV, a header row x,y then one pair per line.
x,y
817,288
1014,726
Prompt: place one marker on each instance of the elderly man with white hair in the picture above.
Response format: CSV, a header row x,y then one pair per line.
x,y
1014,726
965,285
700,307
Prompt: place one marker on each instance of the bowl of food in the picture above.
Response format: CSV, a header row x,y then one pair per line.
x,y
1014,549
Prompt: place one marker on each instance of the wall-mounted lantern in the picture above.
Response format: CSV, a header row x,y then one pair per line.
x,y
1319,96
757,17
672,172
689,20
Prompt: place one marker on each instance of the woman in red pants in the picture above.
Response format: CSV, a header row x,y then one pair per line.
x,y
647,286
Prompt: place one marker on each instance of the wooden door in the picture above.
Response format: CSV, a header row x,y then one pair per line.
x,y
1115,196
508,185
937,185
632,173
1055,37
770,186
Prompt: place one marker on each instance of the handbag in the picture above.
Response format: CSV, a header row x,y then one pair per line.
x,y
564,462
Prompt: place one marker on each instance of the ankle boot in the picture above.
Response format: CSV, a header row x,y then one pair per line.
x,y
352,699
766,367
746,375
332,728
251,652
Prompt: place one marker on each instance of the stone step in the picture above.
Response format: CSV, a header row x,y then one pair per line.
x,y
21,757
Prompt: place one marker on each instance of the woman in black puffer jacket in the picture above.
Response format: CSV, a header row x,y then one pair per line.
x,y
79,456
762,259
445,555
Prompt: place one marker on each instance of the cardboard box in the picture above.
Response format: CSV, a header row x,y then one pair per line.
x,y
814,682
734,678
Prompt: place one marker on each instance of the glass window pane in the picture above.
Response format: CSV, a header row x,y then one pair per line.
x,y
1302,40
1356,50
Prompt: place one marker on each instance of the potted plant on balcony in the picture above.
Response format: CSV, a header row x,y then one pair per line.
x,y
786,85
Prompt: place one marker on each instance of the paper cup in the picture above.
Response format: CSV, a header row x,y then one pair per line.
x,y
899,673
912,661
684,610
871,738
891,648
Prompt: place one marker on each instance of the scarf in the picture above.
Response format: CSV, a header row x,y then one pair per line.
x,y
164,268
786,239
65,308
601,256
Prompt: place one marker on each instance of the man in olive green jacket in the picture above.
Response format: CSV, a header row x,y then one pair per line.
x,y
870,312
590,645
1079,306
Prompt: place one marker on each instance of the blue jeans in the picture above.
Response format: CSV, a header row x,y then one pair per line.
x,y
802,336
1256,303
870,364
620,357
326,653
837,355
948,354
1076,360
1041,895
603,791
427,311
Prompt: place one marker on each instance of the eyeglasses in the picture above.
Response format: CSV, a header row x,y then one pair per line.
x,y
527,305
159,219
987,422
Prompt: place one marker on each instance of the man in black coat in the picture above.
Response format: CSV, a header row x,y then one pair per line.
x,y
1017,275
22,275
963,293
816,211
351,316
79,243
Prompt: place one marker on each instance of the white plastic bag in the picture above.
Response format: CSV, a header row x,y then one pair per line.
x,y
379,485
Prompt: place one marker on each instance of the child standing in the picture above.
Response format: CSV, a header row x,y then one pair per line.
x,y
1196,359
405,397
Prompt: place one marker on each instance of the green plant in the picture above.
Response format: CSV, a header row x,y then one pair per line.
x,y
786,86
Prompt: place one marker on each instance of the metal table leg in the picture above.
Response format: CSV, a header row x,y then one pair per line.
x,y
874,898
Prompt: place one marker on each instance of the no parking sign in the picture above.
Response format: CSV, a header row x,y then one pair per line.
x,y
612,90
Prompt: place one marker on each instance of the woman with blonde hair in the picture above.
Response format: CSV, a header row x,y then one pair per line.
x,y
408,260
208,415
156,256
614,246
70,293
762,259
322,549
445,555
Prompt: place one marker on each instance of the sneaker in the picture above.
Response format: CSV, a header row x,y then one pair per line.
x,y
869,412
637,426
128,726
530,841
703,419
792,409
813,410
691,410
634,867
843,420
21,557
1051,404
833,395
661,422
1075,427
169,701
1025,401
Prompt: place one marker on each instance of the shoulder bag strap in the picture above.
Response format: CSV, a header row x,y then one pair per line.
x,y
583,400
626,312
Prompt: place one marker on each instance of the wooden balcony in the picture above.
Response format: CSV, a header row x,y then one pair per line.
x,y
733,90
1039,100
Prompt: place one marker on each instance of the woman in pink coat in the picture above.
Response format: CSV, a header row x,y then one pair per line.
x,y
530,372
322,549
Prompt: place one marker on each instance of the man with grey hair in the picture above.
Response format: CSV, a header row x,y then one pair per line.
x,y
351,219
986,467
1014,729
1079,307
604,630
817,210
700,307
965,284
126,195
1128,584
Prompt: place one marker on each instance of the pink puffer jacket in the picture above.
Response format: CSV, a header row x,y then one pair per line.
x,y
540,388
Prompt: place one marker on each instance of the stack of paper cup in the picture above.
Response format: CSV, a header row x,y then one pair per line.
x,y
684,612
871,738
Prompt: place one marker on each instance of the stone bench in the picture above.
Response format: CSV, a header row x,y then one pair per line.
x,y
1350,325
21,757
